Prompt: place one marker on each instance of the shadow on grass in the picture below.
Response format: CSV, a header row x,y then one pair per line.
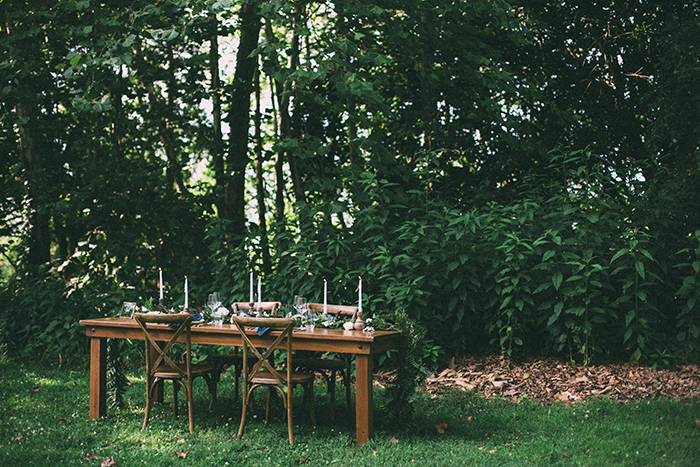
x,y
44,422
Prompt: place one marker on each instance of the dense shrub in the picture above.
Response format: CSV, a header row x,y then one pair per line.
x,y
581,266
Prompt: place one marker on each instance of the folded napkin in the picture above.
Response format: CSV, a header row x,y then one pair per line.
x,y
261,331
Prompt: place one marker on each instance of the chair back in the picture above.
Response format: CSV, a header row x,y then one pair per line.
x,y
182,321
246,306
263,359
339,311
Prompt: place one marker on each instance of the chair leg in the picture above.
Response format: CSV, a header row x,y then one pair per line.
x,y
243,412
347,380
190,409
267,405
148,407
175,388
211,385
236,385
288,403
215,378
331,391
311,405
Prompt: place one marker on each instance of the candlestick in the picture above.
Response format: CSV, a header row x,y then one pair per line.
x,y
259,290
160,282
251,286
187,295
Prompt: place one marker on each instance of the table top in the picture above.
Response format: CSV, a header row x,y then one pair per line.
x,y
323,339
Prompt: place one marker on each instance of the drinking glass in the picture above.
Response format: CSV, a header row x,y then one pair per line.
x,y
300,305
214,302
310,318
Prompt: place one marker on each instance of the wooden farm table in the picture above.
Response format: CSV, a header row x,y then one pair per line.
x,y
361,344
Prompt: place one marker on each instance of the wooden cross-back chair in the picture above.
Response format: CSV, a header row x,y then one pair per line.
x,y
160,366
247,306
331,367
258,369
234,359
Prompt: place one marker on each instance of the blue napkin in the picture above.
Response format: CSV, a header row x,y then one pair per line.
x,y
261,331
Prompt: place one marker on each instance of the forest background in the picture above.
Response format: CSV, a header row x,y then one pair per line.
x,y
513,177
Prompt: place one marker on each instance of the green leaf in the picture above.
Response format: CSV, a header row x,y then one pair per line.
x,y
548,254
696,266
506,302
557,308
557,278
639,266
637,354
618,254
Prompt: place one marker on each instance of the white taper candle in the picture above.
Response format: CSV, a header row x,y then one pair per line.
x,y
251,286
187,295
359,295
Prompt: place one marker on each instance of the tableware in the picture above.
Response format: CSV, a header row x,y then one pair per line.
x,y
301,306
214,302
310,318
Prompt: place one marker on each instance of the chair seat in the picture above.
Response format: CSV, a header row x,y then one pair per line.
x,y
298,377
198,369
321,363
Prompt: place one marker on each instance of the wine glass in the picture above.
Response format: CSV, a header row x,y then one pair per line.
x,y
310,318
214,302
300,305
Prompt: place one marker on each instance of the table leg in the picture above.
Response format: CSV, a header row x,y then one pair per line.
x,y
364,403
98,377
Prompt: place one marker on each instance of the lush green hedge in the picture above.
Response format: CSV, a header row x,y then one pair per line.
x,y
581,266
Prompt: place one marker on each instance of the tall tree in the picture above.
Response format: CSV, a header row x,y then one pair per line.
x,y
239,112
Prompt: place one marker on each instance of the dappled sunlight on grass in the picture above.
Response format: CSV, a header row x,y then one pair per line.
x,y
51,427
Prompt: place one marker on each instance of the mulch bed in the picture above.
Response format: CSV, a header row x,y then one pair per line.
x,y
548,380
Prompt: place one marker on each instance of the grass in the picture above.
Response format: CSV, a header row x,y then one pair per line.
x,y
44,422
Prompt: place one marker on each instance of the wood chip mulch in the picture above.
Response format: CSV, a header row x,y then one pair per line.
x,y
549,380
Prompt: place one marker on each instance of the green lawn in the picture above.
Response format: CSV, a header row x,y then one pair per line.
x,y
44,422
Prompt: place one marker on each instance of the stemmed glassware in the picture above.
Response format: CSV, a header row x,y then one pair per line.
x,y
310,318
214,302
300,305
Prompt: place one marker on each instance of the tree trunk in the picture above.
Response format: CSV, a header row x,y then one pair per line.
x,y
39,237
217,139
279,163
239,114
260,182
39,234
286,123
